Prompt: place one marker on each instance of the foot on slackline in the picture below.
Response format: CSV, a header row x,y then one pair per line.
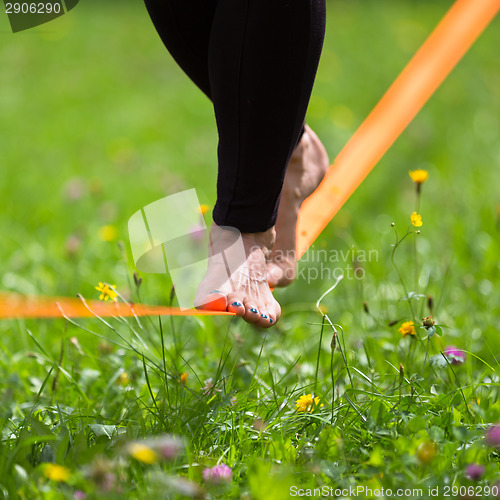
x,y
246,291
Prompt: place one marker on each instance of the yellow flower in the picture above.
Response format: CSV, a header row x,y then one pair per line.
x,y
108,233
306,403
419,176
142,453
184,378
107,291
407,328
204,209
122,379
416,219
56,472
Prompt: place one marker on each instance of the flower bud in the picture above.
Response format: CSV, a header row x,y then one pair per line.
x,y
333,343
428,322
137,279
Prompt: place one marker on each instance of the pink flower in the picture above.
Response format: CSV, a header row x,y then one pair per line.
x,y
492,437
209,387
474,472
455,355
218,474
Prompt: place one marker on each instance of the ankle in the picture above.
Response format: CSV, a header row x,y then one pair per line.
x,y
301,146
263,240
222,238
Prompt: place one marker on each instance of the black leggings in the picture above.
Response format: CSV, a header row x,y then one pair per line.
x,y
256,60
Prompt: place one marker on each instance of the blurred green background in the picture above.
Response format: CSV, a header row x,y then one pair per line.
x,y
97,121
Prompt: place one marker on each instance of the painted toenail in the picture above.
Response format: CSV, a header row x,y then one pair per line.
x,y
253,310
237,304
270,320
216,291
263,316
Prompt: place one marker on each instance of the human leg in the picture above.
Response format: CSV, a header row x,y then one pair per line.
x,y
184,27
256,60
263,58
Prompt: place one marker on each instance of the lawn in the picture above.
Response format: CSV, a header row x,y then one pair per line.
x,y
97,122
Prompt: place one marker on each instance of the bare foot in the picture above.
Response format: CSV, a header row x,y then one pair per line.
x,y
236,278
305,171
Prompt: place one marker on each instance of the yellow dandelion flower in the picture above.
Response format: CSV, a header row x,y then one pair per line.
x,y
416,219
306,403
142,453
123,379
107,291
418,176
183,378
107,233
204,209
407,328
56,472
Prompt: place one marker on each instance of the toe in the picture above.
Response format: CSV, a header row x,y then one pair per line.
x,y
252,314
214,301
235,304
263,314
273,312
265,320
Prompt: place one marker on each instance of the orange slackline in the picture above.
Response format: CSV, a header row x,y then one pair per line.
x,y
422,76
439,54
19,306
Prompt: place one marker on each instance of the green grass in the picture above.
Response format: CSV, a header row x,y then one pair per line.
x,y
96,122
